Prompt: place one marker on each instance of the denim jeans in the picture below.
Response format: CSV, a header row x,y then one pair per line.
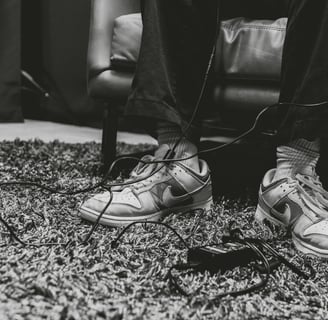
x,y
178,37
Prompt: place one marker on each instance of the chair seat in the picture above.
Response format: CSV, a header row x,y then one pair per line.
x,y
247,49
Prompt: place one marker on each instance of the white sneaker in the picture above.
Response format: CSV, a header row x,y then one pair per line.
x,y
173,188
299,204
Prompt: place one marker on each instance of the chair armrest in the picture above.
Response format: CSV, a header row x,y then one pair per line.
x,y
102,16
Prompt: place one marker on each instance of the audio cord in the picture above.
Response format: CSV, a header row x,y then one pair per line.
x,y
165,161
166,158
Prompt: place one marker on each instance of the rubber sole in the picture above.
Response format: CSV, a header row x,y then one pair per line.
x,y
92,215
261,216
308,249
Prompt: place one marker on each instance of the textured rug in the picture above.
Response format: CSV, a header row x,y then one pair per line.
x,y
94,281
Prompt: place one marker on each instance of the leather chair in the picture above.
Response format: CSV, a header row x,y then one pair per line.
x,y
247,67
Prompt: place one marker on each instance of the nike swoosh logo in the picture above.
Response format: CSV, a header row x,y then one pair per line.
x,y
170,200
285,216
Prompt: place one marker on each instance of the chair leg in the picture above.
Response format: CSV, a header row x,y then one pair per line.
x,y
109,137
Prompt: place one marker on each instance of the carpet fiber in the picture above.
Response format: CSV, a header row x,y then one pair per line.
x,y
93,281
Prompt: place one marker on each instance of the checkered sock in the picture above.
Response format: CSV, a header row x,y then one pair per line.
x,y
298,156
168,133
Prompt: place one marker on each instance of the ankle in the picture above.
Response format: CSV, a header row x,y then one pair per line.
x,y
169,134
299,156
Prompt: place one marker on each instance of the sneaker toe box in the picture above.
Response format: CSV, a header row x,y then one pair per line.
x,y
123,204
316,235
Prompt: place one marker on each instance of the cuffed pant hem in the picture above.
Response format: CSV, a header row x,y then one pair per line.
x,y
151,111
304,122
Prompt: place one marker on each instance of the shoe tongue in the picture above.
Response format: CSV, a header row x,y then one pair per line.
x,y
143,168
162,151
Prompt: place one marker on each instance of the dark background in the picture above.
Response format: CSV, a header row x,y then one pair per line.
x,y
10,105
54,49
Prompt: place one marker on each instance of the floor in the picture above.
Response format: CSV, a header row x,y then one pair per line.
x,y
49,131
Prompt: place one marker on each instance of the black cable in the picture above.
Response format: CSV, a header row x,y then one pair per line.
x,y
225,145
49,189
236,233
23,243
12,232
282,259
40,90
173,281
241,136
37,86
114,242
164,161
206,75
96,224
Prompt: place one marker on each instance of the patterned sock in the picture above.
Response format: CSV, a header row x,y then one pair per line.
x,y
298,156
168,133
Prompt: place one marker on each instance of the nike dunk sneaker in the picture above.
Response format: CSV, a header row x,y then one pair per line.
x,y
165,189
300,204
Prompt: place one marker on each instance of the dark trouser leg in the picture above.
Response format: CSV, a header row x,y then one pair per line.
x,y
177,40
305,70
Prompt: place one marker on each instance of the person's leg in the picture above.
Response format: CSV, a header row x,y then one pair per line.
x,y
178,36
304,80
291,195
305,66
177,39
